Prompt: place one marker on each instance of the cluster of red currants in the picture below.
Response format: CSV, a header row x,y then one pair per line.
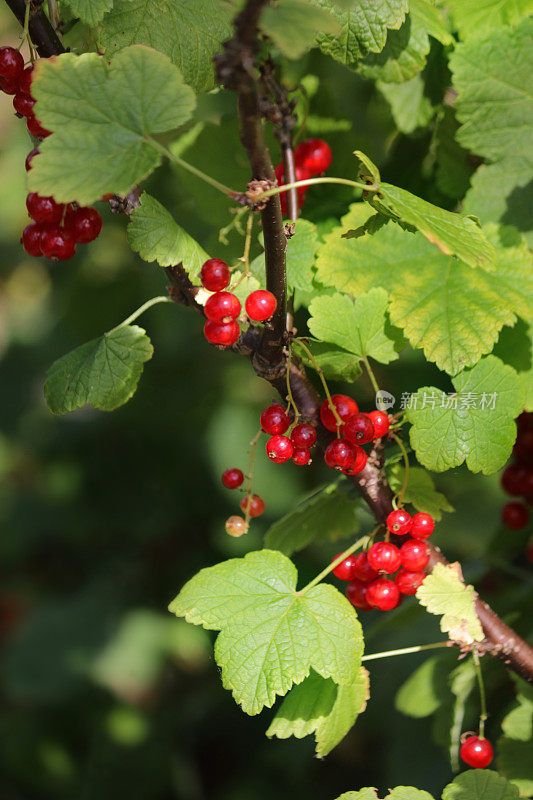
x,y
280,448
311,157
517,478
16,80
368,587
222,308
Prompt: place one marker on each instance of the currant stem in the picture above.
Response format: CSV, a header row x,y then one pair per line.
x,y
253,445
367,187
331,405
371,375
403,651
482,695
406,462
193,170
235,223
355,546
145,306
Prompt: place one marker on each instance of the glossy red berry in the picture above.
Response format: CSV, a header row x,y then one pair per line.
x,y
345,570
215,274
57,243
23,104
84,224
44,209
301,174
414,555
303,435
222,307
345,407
515,515
8,86
399,522
383,594
223,334
513,479
255,504
408,582
301,456
30,157
274,420
381,423
356,594
260,305
359,429
362,569
11,63
236,526
313,154
476,752
32,238
279,449
523,448
232,478
26,80
422,526
340,454
384,557
358,464
35,128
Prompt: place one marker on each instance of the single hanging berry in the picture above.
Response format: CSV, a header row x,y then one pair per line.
x,y
236,526
84,224
301,456
362,569
345,407
23,104
223,334
11,63
314,155
477,752
57,243
422,526
339,454
408,581
399,522
44,209
384,557
359,463
513,479
279,449
358,429
32,239
356,592
260,305
383,594
215,274
301,174
232,478
414,555
274,420
303,435
380,422
515,515
222,307
345,571
254,503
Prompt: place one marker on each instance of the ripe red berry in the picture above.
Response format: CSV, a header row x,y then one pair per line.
x,y
384,556
383,594
279,449
345,570
513,479
30,157
399,522
8,86
32,238
408,582
236,526
11,63
274,420
222,307
221,333
23,104
362,569
232,478
301,456
476,752
260,305
339,454
515,515
57,243
84,224
215,274
359,429
44,209
314,154
255,503
414,555
303,435
422,526
356,594
380,422
35,127
301,174
26,80
345,407
359,464
523,447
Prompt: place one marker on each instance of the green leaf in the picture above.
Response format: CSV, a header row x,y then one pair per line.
x,y
515,760
301,250
453,167
156,236
328,514
421,694
293,25
420,490
270,634
518,724
357,326
103,373
474,18
190,32
335,363
480,784
102,117
410,108
408,793
89,11
515,347
476,424
444,593
362,794
321,707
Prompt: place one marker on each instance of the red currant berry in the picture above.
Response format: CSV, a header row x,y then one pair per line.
x,y
44,209
414,555
339,454
383,594
345,407
255,503
274,420
57,243
232,478
26,80
525,421
279,449
84,224
32,237
30,157
408,582
11,63
359,464
359,429
236,526
476,752
512,479
222,307
384,557
260,305
301,174
422,526
35,127
523,448
356,594
345,570
301,456
314,154
303,435
362,569
9,87
380,422
399,522
515,515
23,104
221,333
215,274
